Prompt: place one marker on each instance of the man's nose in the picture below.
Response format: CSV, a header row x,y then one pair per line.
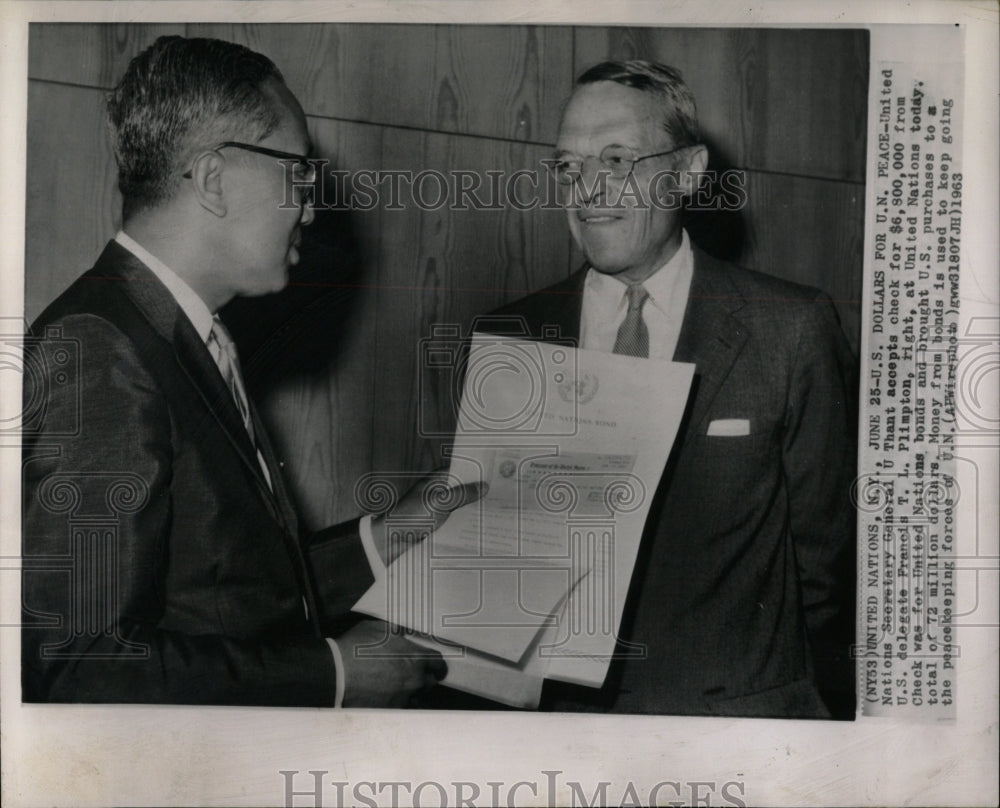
x,y
308,211
591,184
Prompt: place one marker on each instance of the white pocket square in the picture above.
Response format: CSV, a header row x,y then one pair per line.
x,y
729,427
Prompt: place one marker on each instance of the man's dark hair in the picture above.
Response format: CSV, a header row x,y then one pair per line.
x,y
176,97
680,116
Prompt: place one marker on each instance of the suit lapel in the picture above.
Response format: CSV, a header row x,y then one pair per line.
x,y
204,374
197,363
711,337
552,314
287,515
163,313
284,501
567,309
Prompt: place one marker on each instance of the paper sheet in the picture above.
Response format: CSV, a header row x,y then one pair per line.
x,y
533,577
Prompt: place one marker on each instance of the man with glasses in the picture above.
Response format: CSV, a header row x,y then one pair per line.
x,y
163,561
741,602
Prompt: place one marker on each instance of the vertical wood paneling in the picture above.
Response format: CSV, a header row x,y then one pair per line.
x,y
73,205
812,103
88,54
809,231
443,267
780,100
308,55
496,81
788,105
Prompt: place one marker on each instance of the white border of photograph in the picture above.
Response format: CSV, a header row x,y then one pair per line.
x,y
87,755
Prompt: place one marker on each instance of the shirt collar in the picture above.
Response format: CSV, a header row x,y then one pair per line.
x,y
192,305
663,285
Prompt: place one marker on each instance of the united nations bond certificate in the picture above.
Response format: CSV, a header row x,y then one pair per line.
x,y
530,581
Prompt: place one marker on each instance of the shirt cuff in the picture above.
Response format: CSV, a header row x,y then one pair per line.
x,y
368,543
338,663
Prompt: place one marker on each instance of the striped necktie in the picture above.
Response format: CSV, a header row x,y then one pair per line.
x,y
633,335
223,351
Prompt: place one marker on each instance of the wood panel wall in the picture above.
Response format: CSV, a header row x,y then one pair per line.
x,y
339,370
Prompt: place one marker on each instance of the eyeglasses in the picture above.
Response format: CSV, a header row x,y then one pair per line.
x,y
618,161
301,161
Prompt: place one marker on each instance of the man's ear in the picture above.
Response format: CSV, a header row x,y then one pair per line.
x,y
697,163
206,177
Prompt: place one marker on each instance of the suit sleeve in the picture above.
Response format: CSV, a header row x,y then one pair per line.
x,y
93,589
820,457
341,573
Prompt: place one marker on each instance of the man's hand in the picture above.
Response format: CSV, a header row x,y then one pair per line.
x,y
423,509
382,668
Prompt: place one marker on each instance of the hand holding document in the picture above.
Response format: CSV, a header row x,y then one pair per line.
x,y
530,581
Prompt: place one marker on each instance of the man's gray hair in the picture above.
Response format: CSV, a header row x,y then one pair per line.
x,y
680,116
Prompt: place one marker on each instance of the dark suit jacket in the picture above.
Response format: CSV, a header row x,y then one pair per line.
x,y
742,600
158,565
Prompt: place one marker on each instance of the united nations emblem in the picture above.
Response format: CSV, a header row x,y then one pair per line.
x,y
582,390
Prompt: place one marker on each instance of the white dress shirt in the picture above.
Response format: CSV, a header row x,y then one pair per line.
x,y
605,305
187,298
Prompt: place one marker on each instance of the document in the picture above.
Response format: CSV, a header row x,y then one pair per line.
x,y
530,581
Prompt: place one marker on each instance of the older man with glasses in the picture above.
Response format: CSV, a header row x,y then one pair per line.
x,y
741,602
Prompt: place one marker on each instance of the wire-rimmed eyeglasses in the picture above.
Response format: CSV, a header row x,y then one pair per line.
x,y
618,161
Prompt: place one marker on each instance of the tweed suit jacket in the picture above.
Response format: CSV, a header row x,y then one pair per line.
x,y
742,599
159,566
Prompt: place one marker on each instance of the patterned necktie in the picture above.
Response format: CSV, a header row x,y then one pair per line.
x,y
633,335
223,351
